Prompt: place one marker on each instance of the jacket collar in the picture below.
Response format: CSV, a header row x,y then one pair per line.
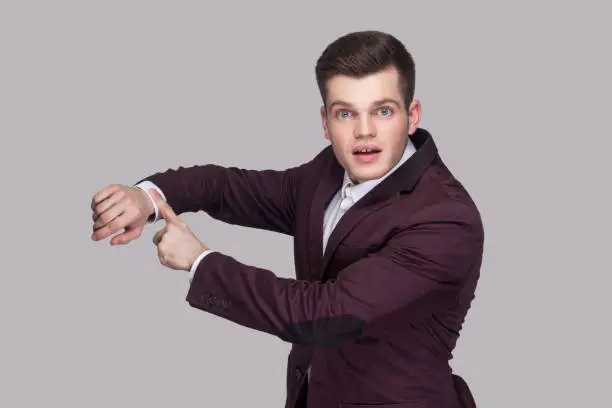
x,y
401,181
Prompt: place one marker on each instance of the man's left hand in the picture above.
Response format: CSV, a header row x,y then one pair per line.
x,y
177,246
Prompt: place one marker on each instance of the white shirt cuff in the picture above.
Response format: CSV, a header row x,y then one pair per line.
x,y
192,271
145,186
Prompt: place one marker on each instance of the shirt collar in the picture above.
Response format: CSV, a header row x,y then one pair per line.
x,y
357,191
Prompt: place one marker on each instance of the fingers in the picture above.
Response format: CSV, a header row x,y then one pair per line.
x,y
104,194
158,235
164,208
162,258
107,203
112,208
115,225
161,255
126,237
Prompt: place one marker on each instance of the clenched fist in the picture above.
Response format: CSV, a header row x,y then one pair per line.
x,y
177,246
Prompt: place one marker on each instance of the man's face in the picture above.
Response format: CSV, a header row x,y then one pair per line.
x,y
367,123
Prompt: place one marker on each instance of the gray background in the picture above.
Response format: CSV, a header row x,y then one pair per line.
x,y
93,93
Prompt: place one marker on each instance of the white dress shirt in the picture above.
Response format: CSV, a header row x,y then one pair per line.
x,y
344,199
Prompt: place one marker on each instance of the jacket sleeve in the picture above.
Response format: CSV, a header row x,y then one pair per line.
x,y
263,199
420,268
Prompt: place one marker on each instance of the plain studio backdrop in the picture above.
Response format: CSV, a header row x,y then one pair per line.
x,y
94,93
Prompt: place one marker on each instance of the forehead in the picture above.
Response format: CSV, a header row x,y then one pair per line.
x,y
364,90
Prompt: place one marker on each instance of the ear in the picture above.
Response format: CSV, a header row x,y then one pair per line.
x,y
414,116
324,122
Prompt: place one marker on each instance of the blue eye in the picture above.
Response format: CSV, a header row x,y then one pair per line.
x,y
343,114
385,111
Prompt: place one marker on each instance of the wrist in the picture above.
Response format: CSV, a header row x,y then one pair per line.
x,y
149,206
151,211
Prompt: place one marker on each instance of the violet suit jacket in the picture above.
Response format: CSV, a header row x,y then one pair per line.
x,y
377,314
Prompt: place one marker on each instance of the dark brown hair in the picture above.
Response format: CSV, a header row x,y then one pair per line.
x,y
362,53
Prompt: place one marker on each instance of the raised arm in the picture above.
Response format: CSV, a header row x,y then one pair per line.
x,y
420,269
263,199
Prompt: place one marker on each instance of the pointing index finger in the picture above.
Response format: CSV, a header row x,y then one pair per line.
x,y
164,208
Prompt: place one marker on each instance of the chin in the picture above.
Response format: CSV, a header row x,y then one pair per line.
x,y
361,173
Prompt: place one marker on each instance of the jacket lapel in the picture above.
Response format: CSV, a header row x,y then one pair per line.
x,y
328,185
370,203
401,181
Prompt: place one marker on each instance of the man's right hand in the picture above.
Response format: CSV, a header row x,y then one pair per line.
x,y
119,207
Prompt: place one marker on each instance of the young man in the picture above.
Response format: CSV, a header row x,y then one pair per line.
x,y
388,244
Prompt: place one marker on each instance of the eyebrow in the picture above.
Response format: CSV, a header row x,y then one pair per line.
x,y
375,103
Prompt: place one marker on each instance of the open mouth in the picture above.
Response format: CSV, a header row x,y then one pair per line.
x,y
366,154
366,150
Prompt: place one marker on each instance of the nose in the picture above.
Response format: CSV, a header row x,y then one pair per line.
x,y
365,127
